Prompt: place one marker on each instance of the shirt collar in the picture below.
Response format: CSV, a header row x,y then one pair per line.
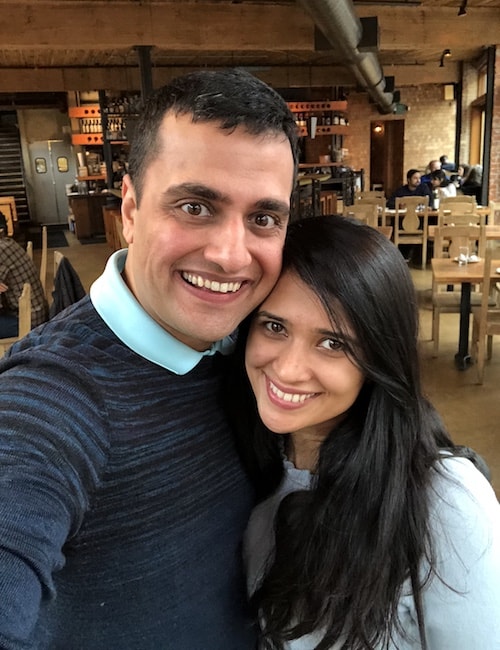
x,y
123,314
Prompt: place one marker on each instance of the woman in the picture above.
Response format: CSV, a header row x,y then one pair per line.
x,y
378,533
441,186
473,182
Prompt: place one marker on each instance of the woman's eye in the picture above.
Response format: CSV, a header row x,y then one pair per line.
x,y
333,344
195,209
273,326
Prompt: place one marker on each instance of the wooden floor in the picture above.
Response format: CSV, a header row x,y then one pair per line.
x,y
471,412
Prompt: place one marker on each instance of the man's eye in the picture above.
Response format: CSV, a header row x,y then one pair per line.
x,y
195,209
266,221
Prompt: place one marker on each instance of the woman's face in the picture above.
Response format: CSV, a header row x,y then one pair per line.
x,y
302,378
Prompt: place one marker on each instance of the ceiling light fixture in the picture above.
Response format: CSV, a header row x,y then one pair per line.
x,y
463,8
445,55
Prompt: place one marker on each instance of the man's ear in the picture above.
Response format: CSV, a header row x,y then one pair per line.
x,y
129,209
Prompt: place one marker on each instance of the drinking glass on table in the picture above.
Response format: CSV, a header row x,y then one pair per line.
x,y
463,255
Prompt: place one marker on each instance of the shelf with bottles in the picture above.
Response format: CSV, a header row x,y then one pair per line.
x,y
88,124
331,117
118,112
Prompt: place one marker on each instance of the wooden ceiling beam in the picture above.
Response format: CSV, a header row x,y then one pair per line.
x,y
175,26
437,27
128,78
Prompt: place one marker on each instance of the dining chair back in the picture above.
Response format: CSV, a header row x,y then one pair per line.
x,y
365,212
411,223
24,318
454,205
8,209
385,230
448,239
461,219
369,194
486,321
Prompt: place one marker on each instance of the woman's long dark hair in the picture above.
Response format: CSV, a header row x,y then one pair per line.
x,y
345,548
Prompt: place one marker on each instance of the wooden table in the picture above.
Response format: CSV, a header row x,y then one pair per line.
x,y
447,271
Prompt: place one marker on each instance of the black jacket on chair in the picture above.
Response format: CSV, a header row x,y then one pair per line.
x,y
67,288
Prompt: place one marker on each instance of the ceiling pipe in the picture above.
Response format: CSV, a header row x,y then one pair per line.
x,y
340,25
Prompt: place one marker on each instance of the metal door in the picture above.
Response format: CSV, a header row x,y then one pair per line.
x,y
53,165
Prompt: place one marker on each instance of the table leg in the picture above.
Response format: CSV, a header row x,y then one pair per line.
x,y
462,357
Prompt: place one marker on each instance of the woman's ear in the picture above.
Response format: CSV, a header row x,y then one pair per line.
x,y
129,209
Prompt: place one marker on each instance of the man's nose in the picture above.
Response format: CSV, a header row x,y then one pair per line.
x,y
228,246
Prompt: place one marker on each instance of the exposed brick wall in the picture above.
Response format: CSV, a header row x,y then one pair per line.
x,y
429,127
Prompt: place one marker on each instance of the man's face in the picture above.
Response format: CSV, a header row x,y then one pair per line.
x,y
205,243
414,181
434,165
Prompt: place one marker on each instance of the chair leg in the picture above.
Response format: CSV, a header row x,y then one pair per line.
x,y
435,331
490,347
424,255
481,345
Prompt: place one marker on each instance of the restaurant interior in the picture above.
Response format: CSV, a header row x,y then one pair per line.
x,y
377,88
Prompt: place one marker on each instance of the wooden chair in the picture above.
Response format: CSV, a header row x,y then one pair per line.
x,y
447,240
461,219
365,212
327,203
369,194
456,205
8,209
379,201
486,322
29,249
385,230
24,315
412,226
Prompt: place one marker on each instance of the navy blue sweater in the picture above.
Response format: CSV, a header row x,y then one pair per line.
x,y
122,501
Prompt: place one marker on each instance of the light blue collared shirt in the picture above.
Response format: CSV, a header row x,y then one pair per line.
x,y
119,309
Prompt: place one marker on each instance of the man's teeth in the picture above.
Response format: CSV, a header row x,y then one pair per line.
x,y
218,287
295,398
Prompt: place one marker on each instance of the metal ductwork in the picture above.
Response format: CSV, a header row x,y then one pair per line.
x,y
338,21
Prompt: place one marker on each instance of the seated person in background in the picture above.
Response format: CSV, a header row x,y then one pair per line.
x,y
458,178
377,530
441,187
16,268
446,164
413,187
473,182
433,166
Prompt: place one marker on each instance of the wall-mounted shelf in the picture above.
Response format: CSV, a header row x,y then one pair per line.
x,y
330,115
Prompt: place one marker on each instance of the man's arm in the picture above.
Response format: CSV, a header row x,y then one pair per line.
x,y
51,453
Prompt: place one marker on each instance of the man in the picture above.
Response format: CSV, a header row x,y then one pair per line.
x,y
16,268
433,166
447,165
122,500
413,187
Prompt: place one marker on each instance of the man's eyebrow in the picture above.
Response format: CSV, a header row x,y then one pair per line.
x,y
197,190
273,205
200,191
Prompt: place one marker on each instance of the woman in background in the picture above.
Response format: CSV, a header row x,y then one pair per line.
x,y
473,183
374,531
441,186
